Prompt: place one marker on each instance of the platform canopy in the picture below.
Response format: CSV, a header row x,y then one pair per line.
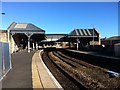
x,y
54,37
82,35
26,34
50,39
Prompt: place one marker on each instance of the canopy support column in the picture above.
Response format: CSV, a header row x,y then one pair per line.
x,y
29,35
28,44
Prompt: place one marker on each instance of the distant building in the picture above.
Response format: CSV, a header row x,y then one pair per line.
x,y
111,40
3,36
111,45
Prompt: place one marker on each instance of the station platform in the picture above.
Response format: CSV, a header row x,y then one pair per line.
x,y
41,76
29,72
95,54
110,63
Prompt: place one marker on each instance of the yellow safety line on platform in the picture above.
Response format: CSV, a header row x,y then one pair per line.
x,y
35,76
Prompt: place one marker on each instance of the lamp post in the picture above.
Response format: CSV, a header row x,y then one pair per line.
x,y
93,37
93,34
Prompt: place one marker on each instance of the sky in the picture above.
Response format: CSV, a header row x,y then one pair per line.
x,y
63,17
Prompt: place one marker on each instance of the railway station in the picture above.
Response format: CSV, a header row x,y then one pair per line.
x,y
59,45
73,61
28,36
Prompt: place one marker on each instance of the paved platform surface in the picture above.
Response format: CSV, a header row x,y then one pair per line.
x,y
29,73
20,76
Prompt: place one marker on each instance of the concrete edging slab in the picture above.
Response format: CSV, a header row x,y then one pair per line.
x,y
50,74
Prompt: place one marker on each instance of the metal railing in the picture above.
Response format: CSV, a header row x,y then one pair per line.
x,y
5,60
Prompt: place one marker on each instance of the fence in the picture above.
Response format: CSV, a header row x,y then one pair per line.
x,y
5,60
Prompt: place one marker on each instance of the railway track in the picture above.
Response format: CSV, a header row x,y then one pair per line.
x,y
80,73
67,82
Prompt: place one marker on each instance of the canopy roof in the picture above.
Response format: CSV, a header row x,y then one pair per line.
x,y
53,37
84,33
25,27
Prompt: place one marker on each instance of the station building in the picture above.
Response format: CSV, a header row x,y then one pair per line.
x,y
3,36
112,44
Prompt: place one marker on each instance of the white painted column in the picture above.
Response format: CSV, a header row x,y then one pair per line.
x,y
36,45
33,46
77,46
99,39
28,35
77,43
28,44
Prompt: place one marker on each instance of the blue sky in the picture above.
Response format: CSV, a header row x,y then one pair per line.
x,y
63,17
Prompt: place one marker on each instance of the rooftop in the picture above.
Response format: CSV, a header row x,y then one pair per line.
x,y
84,32
20,27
